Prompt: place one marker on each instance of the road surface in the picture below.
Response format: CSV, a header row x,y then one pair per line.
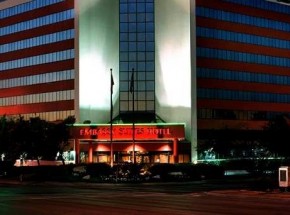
x,y
140,199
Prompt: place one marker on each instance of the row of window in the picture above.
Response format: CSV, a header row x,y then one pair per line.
x,y
38,22
136,7
242,76
138,96
242,19
140,76
37,41
36,60
138,86
263,4
137,56
137,46
243,38
137,1
138,106
139,66
143,101
37,79
31,5
242,57
236,114
136,27
136,17
242,95
48,116
38,98
126,37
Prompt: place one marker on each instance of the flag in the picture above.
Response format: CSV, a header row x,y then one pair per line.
x,y
112,83
132,83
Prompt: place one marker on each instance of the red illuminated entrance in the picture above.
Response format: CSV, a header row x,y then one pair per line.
x,y
150,143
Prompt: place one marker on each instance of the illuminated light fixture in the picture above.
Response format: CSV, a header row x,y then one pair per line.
x,y
165,148
102,148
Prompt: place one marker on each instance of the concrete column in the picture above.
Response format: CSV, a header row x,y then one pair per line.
x,y
90,152
175,150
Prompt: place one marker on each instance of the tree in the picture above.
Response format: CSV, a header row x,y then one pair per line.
x,y
34,138
9,146
59,136
276,136
230,143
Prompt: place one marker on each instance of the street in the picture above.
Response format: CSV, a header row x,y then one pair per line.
x,y
171,198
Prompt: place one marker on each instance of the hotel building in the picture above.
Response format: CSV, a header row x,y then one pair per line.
x,y
170,69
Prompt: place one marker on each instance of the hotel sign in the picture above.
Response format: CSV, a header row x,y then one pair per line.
x,y
125,131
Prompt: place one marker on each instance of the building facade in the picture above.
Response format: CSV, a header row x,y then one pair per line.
x,y
242,62
37,59
242,66
210,64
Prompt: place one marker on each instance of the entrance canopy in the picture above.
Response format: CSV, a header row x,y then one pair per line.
x,y
100,144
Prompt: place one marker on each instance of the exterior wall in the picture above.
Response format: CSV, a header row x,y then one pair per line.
x,y
37,59
173,72
11,3
98,52
242,63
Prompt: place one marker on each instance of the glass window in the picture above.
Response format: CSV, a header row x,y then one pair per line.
x,y
132,17
141,75
132,7
141,46
141,27
141,17
124,27
123,8
123,46
141,56
149,7
132,37
141,86
150,85
124,56
132,27
141,66
124,36
124,66
124,17
124,76
149,17
132,47
132,56
140,53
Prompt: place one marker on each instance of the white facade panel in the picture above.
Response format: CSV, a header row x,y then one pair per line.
x,y
173,67
97,51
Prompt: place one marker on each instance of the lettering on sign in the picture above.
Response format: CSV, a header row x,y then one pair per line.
x,y
124,131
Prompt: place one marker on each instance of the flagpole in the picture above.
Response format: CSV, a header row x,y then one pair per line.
x,y
111,121
133,121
